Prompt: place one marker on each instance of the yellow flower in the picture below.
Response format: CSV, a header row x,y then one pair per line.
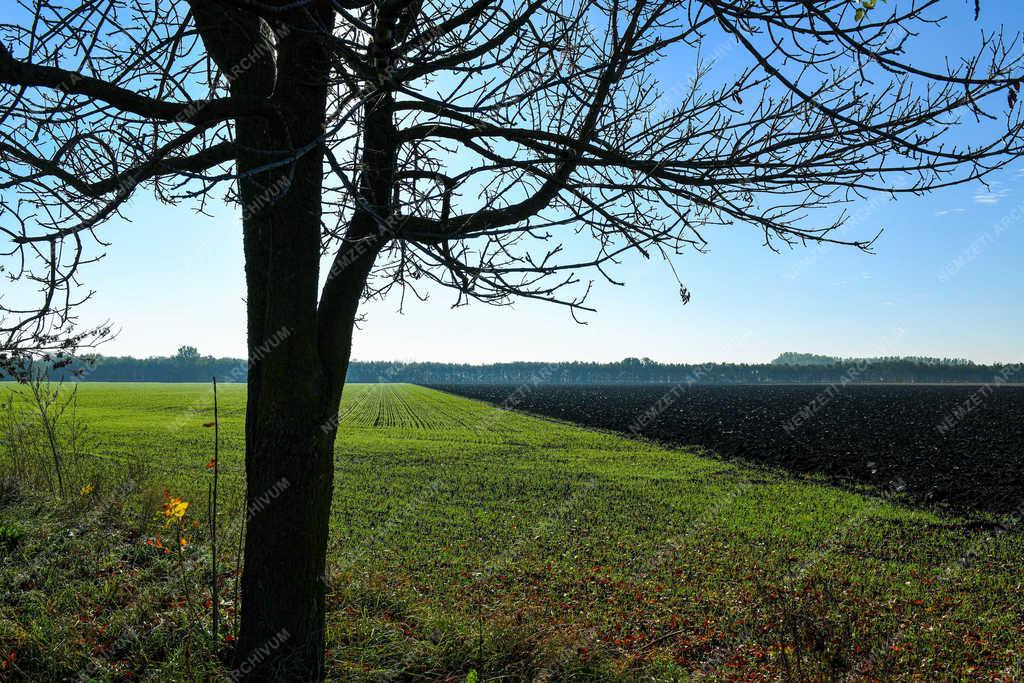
x,y
174,509
86,490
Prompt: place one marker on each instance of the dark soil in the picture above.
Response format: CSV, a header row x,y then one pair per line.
x,y
959,447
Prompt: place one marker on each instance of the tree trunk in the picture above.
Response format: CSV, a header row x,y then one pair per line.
x,y
289,467
299,343
288,458
293,391
291,423
295,382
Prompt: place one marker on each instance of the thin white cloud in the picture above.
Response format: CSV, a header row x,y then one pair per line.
x,y
995,193
946,212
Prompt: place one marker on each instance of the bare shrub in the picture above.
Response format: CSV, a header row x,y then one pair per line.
x,y
45,441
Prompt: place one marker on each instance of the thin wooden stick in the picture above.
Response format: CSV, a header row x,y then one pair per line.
x,y
213,515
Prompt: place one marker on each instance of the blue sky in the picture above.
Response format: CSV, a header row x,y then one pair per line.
x,y
945,281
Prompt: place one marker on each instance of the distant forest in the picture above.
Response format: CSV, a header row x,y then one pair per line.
x,y
188,365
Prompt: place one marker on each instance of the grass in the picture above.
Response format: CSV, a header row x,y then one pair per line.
x,y
465,538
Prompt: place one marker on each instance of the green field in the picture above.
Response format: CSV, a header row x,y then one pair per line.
x,y
468,538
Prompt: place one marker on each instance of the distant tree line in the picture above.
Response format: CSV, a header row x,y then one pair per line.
x,y
793,358
188,365
646,371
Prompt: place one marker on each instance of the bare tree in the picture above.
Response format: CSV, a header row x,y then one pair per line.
x,y
376,145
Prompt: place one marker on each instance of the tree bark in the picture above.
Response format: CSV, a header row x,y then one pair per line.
x,y
293,393
291,425
289,459
299,343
